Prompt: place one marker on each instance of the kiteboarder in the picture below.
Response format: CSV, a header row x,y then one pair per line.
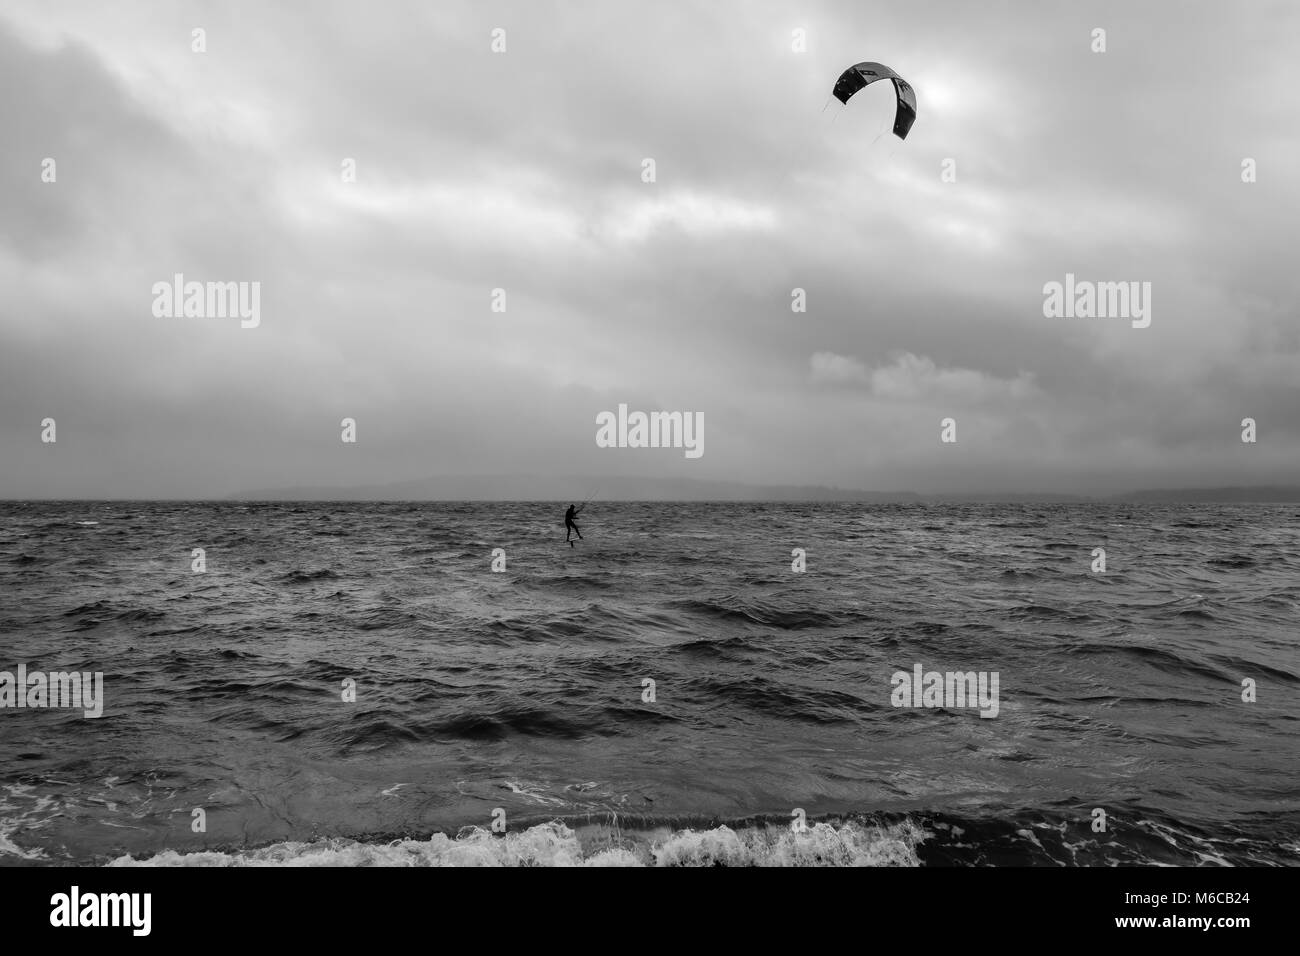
x,y
570,526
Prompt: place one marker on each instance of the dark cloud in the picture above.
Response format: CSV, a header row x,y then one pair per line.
x,y
521,170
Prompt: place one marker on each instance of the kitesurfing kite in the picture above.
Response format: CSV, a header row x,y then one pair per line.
x,y
856,77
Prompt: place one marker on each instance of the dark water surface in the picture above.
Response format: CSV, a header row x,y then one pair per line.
x,y
522,690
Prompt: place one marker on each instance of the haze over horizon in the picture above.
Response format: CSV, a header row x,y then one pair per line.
x,y
605,489
522,170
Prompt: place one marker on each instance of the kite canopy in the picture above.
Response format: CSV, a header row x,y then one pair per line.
x,y
856,77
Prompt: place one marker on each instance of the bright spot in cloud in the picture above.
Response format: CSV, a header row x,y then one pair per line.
x,y
918,378
696,215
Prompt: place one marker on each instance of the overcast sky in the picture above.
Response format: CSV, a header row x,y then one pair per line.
x,y
522,170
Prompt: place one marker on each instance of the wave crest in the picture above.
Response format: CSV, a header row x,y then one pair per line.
x,y
557,844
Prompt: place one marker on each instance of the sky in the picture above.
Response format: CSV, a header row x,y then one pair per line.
x,y
522,170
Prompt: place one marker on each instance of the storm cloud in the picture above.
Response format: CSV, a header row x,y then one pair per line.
x,y
522,170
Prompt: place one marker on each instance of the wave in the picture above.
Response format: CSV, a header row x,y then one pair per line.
x,y
298,576
758,613
720,649
1168,661
1021,574
1058,836
1233,561
556,843
816,705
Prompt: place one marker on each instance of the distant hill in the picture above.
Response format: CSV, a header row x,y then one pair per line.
x,y
1232,495
577,488
570,488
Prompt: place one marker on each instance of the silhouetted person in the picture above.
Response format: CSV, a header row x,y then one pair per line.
x,y
570,527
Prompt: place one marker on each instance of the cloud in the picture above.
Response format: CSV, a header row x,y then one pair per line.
x,y
694,214
521,171
912,378
831,369
916,378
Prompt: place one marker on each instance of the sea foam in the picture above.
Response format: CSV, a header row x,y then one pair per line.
x,y
557,844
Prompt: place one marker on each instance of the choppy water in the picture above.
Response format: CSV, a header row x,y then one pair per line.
x,y
522,690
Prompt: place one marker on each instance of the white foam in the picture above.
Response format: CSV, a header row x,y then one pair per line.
x,y
22,810
555,844
9,848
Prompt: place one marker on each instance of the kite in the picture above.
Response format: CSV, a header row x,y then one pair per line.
x,y
859,76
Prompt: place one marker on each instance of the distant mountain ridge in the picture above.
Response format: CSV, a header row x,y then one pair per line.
x,y
1261,494
570,488
577,488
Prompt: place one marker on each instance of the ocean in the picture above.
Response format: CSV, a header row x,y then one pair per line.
x,y
667,692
